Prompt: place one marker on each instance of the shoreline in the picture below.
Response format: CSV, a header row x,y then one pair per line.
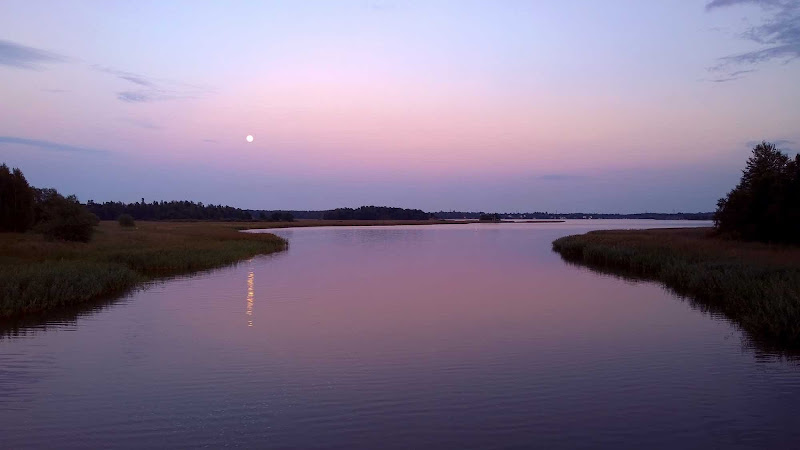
x,y
309,223
755,285
39,276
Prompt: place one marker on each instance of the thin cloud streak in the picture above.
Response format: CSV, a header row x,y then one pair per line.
x,y
47,145
127,76
24,57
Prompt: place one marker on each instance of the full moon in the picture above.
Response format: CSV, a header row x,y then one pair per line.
x,y
249,138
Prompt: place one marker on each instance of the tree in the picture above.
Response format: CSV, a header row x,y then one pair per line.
x,y
765,205
16,201
63,218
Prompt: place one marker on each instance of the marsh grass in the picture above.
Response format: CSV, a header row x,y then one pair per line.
x,y
755,285
38,275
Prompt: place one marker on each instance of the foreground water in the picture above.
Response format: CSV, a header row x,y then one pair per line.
x,y
452,336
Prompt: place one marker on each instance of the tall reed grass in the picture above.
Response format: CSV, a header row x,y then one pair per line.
x,y
755,285
38,275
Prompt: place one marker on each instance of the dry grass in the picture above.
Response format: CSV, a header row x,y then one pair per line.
x,y
755,285
37,275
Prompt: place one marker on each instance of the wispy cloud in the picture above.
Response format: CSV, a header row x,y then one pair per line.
x,y
153,95
136,96
24,57
48,145
150,89
141,80
730,77
779,34
211,141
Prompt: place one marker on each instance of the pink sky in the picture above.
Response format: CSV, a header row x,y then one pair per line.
x,y
438,105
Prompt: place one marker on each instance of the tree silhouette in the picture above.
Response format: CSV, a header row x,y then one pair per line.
x,y
16,201
63,218
765,205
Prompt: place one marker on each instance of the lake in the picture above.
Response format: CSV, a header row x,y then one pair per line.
x,y
446,336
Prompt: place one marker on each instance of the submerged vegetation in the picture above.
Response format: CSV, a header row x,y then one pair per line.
x,y
756,285
38,275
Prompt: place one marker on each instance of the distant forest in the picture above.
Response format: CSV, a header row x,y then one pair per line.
x,y
376,213
173,210
578,215
186,210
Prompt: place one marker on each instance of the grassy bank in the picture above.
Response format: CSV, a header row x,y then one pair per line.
x,y
755,285
37,275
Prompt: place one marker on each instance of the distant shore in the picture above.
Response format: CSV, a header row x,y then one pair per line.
x,y
305,223
755,285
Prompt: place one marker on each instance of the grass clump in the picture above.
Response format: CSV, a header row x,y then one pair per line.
x,y
38,275
755,285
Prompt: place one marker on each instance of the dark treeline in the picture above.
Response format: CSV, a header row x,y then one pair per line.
x,y
187,210
172,210
765,205
297,214
24,207
376,213
578,215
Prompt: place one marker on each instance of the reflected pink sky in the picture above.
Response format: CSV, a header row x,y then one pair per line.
x,y
444,336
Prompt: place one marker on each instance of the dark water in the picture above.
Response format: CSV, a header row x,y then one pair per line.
x,y
455,336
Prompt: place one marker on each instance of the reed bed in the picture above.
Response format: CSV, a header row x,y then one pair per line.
x,y
37,275
755,285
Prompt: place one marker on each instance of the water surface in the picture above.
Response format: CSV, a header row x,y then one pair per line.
x,y
451,336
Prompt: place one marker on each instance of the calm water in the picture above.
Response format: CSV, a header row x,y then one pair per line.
x,y
453,336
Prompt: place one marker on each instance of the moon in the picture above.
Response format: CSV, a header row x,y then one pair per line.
x,y
249,138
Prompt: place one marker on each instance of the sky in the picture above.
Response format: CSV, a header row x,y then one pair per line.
x,y
603,106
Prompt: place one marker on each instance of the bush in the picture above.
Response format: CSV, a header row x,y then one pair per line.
x,y
126,220
62,218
